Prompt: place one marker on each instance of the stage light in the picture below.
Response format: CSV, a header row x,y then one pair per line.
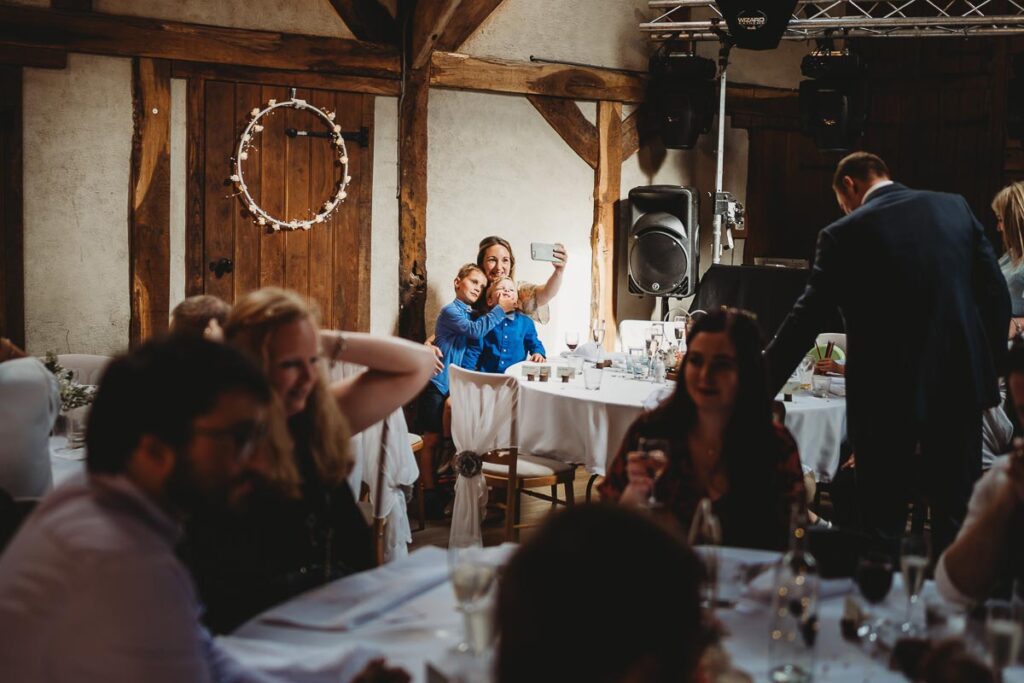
x,y
681,93
834,103
755,24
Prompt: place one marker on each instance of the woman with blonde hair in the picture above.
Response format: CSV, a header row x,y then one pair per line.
x,y
1008,206
299,526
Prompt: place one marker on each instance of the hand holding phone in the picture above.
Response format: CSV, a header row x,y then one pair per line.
x,y
543,252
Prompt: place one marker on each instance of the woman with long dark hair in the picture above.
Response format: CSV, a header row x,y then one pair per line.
x,y
723,442
495,258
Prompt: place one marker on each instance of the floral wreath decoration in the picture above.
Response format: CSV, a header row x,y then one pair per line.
x,y
254,128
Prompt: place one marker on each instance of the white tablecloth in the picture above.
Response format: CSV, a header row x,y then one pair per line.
x,y
414,627
572,424
567,422
65,463
818,425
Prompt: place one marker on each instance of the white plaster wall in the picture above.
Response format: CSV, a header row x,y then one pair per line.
x,y
179,173
495,167
384,244
78,132
312,17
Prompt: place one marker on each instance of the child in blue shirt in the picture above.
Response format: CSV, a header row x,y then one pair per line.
x,y
454,331
512,340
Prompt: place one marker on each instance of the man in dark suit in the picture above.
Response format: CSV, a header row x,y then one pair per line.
x,y
926,311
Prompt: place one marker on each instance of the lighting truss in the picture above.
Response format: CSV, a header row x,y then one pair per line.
x,y
852,19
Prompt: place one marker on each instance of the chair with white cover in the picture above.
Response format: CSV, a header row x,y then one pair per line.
x,y
88,368
838,340
485,418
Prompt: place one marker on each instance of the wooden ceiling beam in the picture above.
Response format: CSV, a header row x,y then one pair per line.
x,y
368,20
471,14
462,72
297,79
38,57
570,124
429,21
142,37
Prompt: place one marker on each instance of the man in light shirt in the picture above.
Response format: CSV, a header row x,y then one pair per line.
x,y
90,588
29,405
987,553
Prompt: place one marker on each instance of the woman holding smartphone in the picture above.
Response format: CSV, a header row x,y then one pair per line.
x,y
497,261
719,440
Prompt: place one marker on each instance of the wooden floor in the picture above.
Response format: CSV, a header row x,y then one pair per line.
x,y
533,511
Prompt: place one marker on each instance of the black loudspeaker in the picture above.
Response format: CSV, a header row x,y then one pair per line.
x,y
682,92
756,24
662,240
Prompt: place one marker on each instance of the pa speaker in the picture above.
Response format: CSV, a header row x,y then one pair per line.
x,y
682,92
662,240
756,24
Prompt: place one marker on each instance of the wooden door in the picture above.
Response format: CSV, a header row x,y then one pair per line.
x,y
289,178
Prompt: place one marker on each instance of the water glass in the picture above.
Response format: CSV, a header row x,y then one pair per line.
x,y
1002,635
592,377
75,421
821,385
805,371
472,579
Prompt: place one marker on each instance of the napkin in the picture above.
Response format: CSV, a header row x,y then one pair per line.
x,y
762,587
338,664
353,601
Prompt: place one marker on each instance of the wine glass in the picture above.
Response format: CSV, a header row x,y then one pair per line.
x,y
874,577
597,334
654,453
472,579
914,556
1002,634
679,328
572,340
705,536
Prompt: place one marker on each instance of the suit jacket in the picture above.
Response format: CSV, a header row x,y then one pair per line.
x,y
925,305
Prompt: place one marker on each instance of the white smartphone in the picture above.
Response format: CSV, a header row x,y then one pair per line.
x,y
542,252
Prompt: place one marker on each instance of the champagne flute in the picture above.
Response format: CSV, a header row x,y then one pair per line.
x,y
472,580
597,334
1002,634
913,564
655,457
572,340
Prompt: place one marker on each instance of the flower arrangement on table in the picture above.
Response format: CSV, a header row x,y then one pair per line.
x,y
72,394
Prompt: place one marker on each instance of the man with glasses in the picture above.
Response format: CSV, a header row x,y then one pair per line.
x,y
90,588
926,312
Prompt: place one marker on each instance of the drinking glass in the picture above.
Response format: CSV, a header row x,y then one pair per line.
x,y
592,377
820,385
679,328
572,340
654,453
597,334
705,536
1002,635
914,556
806,372
472,579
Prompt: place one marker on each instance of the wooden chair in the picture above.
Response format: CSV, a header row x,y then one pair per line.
x,y
485,419
416,444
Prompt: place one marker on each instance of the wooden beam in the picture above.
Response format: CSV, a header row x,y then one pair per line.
x,y
37,57
12,225
76,5
149,228
298,79
607,186
142,37
428,23
367,20
631,133
412,207
471,14
195,184
462,72
570,124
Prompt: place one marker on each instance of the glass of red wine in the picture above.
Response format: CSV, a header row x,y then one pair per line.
x,y
572,340
874,577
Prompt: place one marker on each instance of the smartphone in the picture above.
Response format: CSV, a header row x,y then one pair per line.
x,y
542,252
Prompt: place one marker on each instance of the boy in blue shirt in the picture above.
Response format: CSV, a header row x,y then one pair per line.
x,y
512,340
454,331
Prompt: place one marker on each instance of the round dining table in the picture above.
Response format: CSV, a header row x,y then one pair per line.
x,y
568,422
